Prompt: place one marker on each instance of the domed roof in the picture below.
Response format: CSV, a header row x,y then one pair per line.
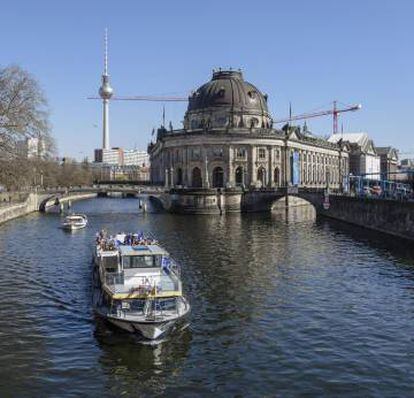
x,y
227,89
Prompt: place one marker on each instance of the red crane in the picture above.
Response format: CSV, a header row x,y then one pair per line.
x,y
335,111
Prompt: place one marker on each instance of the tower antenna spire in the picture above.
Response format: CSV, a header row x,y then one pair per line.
x,y
106,52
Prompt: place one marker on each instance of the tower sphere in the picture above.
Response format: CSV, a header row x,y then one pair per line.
x,y
105,91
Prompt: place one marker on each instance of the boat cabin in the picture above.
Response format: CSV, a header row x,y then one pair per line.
x,y
138,270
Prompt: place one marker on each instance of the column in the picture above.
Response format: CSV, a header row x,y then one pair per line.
x,y
206,181
230,172
270,167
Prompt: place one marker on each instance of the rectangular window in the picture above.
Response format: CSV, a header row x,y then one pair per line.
x,y
218,152
241,153
277,154
262,153
110,263
141,261
195,154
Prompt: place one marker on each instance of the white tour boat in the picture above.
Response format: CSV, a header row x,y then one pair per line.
x,y
75,221
137,286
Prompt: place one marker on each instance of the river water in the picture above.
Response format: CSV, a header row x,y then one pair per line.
x,y
281,306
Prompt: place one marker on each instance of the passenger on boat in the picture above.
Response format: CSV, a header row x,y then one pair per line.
x,y
120,238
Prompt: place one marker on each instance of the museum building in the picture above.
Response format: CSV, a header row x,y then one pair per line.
x,y
229,140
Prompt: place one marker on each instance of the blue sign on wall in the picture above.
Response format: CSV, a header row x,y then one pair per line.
x,y
295,168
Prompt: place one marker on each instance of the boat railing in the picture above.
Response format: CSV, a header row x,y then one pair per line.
x,y
166,283
169,266
150,311
170,283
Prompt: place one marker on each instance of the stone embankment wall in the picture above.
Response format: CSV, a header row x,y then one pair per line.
x,y
388,216
8,212
31,204
66,198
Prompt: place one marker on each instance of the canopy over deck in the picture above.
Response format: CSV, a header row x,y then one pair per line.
x,y
142,250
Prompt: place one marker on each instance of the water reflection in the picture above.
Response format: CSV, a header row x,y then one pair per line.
x,y
136,368
280,306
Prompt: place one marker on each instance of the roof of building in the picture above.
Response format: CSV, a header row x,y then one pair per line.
x,y
227,88
358,141
387,150
353,138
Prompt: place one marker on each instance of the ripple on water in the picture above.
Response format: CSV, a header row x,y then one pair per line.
x,y
278,308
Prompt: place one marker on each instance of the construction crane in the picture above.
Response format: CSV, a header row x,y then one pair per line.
x,y
145,98
335,111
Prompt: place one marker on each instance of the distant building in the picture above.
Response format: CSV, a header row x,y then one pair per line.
x,y
407,164
122,157
114,156
108,172
134,157
406,170
121,164
389,161
363,158
32,148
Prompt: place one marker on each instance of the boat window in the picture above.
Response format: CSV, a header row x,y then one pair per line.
x,y
139,262
157,261
110,263
135,305
166,304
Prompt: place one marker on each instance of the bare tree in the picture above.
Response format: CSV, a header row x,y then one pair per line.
x,y
23,110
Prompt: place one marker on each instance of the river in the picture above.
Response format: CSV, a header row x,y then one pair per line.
x,y
281,306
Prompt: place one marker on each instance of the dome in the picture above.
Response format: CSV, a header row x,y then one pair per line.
x,y
227,100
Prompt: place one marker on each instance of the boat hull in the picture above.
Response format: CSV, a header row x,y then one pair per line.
x,y
150,330
73,227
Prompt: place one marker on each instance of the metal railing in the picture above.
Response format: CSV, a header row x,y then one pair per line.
x,y
165,283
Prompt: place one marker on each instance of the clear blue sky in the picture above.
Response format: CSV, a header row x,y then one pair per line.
x,y
306,52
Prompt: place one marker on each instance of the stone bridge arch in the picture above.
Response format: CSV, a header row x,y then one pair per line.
x,y
46,202
264,200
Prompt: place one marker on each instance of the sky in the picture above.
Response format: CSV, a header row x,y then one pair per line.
x,y
307,53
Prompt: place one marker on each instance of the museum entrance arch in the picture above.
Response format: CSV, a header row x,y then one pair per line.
x,y
276,176
239,176
196,180
261,176
179,177
218,177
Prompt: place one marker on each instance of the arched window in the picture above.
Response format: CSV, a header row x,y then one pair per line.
x,y
261,176
218,177
239,176
196,180
179,180
276,176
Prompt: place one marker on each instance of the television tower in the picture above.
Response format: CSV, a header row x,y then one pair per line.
x,y
105,92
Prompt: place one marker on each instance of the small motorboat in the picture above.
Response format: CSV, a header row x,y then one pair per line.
x,y
75,221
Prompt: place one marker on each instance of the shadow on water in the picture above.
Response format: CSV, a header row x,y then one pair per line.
x,y
390,246
139,368
393,247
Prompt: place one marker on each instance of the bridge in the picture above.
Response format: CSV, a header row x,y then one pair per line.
x,y
391,216
59,196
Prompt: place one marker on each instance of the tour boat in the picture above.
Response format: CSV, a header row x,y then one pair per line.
x,y
137,286
75,221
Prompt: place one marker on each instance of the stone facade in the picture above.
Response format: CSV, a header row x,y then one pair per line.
x,y
259,160
228,141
